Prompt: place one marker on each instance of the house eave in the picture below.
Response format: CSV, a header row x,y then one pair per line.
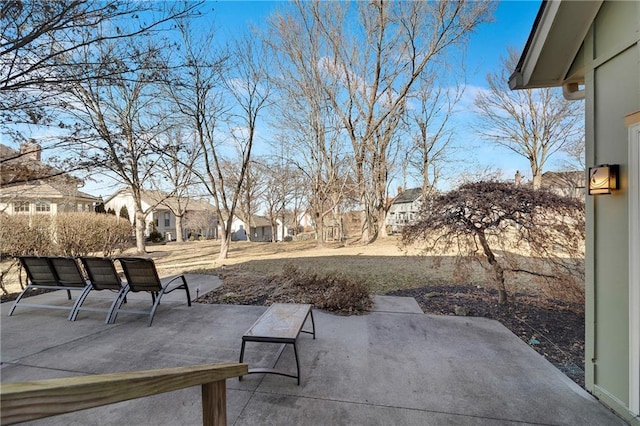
x,y
555,39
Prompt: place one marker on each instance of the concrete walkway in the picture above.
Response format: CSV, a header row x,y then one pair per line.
x,y
394,366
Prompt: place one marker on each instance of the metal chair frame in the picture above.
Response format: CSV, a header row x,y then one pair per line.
x,y
142,276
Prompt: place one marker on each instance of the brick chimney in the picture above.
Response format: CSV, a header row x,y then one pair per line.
x,y
31,150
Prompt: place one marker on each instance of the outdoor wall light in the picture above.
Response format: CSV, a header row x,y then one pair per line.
x,y
603,179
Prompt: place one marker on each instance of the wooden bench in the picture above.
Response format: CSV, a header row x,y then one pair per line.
x,y
281,323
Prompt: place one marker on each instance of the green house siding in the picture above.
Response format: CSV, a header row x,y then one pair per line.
x,y
611,57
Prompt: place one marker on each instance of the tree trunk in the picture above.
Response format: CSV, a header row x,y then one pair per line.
x,y
502,296
140,228
537,180
225,241
179,238
382,226
497,269
320,230
365,224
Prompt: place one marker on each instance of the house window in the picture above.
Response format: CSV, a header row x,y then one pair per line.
x,y
21,207
167,220
43,207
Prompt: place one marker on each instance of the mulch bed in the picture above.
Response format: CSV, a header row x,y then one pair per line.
x,y
553,329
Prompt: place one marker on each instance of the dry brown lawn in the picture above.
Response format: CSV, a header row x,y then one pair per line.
x,y
383,266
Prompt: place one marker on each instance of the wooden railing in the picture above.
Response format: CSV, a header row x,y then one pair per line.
x,y
20,402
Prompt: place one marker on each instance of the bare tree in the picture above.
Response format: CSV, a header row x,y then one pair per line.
x,y
428,120
251,89
252,188
366,70
533,123
116,115
175,173
41,41
308,126
207,78
495,222
281,188
195,89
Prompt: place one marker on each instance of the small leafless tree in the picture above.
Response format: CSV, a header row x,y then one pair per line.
x,y
209,84
534,123
117,116
195,90
175,173
253,187
429,126
312,134
499,223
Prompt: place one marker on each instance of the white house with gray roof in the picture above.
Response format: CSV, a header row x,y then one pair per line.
x,y
404,208
199,218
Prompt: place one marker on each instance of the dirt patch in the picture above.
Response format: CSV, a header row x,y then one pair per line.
x,y
553,329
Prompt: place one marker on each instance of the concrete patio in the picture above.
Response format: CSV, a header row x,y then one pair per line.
x,y
394,366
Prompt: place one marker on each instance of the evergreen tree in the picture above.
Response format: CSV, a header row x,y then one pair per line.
x,y
124,213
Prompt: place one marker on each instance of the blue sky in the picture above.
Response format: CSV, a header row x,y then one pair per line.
x,y
510,28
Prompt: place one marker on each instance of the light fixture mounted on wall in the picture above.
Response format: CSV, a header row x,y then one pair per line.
x,y
603,179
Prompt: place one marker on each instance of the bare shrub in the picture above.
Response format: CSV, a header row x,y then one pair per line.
x,y
509,229
22,235
69,234
80,234
329,291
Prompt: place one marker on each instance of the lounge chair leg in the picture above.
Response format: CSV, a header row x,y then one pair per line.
x,y
15,304
186,288
115,306
76,306
155,306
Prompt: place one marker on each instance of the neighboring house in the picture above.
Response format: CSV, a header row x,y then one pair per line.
x,y
30,186
404,208
199,220
568,184
592,50
259,230
305,221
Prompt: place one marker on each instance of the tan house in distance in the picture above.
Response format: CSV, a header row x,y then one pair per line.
x,y
199,219
29,186
592,50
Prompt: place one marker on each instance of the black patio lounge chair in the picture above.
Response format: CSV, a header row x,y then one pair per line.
x,y
102,276
52,273
142,276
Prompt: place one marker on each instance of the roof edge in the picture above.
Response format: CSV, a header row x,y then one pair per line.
x,y
555,39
